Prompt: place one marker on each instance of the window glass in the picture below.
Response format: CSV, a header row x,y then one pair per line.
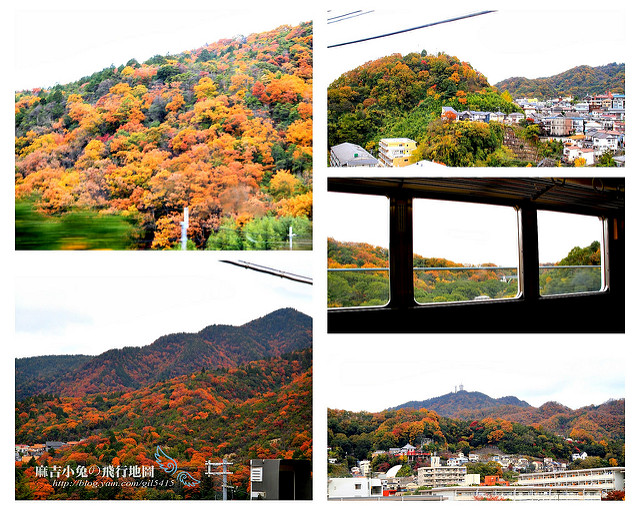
x,y
569,253
464,251
358,250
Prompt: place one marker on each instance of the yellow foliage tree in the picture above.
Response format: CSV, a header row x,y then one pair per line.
x,y
206,88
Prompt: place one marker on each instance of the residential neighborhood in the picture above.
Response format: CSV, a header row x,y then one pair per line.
x,y
452,476
589,130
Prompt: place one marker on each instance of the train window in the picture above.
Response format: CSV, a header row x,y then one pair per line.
x,y
569,251
358,251
464,251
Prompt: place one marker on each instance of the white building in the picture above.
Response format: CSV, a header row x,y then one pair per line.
x,y
515,118
604,479
525,493
365,468
604,141
618,102
353,487
572,152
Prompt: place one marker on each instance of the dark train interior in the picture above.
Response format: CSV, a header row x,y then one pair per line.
x,y
529,311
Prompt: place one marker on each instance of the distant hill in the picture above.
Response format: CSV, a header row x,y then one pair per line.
x,y
579,82
455,403
172,355
606,420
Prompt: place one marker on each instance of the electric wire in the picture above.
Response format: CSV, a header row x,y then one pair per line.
x,y
450,20
270,271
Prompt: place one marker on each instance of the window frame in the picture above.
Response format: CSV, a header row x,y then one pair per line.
x,y
365,270
605,273
401,289
518,248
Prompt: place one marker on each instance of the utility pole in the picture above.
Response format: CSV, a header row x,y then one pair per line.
x,y
224,474
185,225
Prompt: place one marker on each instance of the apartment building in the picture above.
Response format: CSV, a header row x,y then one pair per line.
x,y
395,152
604,479
438,475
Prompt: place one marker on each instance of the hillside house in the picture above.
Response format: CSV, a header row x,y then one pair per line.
x,y
571,152
604,141
514,118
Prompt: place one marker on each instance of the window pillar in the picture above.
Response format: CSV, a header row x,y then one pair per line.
x,y
529,260
401,252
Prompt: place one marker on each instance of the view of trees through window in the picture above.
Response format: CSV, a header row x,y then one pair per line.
x,y
569,253
464,251
358,252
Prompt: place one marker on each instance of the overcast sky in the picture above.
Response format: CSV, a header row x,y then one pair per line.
x,y
71,303
374,372
66,40
533,40
462,233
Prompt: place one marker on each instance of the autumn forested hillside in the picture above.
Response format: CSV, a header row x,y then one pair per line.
x,y
356,435
111,160
261,409
125,369
370,288
579,82
437,279
606,420
401,96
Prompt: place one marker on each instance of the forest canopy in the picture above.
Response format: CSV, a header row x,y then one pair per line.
x,y
225,130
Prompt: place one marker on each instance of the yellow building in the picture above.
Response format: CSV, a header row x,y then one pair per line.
x,y
395,152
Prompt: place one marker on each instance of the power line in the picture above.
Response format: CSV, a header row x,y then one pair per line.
x,y
343,15
270,271
349,16
480,13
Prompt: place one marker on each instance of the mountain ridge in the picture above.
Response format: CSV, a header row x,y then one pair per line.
x,y
578,81
128,368
451,403
596,421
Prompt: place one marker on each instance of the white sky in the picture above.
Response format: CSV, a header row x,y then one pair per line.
x,y
64,41
462,233
535,40
374,372
67,303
